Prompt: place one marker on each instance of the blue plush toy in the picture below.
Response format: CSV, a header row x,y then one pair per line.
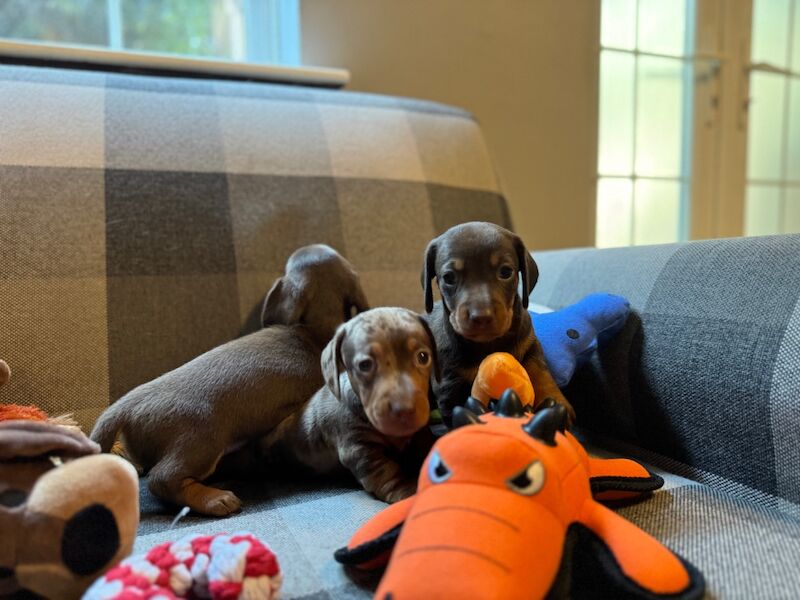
x,y
569,336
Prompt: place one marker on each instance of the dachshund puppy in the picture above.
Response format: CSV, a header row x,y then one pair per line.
x,y
478,267
377,370
178,426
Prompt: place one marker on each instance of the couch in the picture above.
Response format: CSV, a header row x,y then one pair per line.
x,y
142,219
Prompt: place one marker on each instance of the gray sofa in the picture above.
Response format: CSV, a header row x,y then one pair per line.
x,y
143,218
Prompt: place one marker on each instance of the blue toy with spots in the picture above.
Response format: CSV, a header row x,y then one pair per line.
x,y
569,336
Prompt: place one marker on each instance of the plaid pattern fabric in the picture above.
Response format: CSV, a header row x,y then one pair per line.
x,y
142,219
707,371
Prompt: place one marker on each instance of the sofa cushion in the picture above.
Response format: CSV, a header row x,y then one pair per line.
x,y
142,219
705,370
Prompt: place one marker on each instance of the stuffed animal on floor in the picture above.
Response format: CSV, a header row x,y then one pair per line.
x,y
570,336
504,509
67,513
219,567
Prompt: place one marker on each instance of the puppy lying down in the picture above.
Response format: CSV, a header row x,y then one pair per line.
x,y
377,370
178,426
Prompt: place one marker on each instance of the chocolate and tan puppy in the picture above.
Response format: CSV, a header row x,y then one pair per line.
x,y
377,369
478,267
178,426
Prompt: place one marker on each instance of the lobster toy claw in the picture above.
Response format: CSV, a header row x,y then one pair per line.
x,y
507,507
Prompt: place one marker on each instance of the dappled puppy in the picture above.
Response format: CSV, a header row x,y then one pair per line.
x,y
177,427
479,268
377,371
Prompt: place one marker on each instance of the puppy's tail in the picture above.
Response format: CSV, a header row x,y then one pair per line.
x,y
107,427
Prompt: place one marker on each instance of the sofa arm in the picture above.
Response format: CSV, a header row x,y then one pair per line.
x,y
707,369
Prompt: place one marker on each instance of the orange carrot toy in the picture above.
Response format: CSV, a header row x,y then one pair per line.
x,y
505,509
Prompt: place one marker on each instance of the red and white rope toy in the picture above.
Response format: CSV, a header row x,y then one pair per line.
x,y
220,567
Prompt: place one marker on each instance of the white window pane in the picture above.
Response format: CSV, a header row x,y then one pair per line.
x,y
793,165
762,210
659,117
656,213
792,221
615,152
765,134
770,31
662,26
614,212
618,24
796,43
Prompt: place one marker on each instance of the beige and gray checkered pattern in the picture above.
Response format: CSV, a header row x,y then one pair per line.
x,y
142,219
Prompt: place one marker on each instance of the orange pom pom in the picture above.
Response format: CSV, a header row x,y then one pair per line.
x,y
497,373
15,412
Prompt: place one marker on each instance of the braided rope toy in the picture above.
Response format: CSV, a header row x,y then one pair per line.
x,y
219,567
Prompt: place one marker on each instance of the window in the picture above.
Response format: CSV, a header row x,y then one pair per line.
x,y
699,120
262,31
773,157
646,72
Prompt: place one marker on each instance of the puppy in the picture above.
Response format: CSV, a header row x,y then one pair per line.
x,y
377,370
478,267
178,426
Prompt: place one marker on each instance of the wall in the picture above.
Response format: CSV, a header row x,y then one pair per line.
x,y
527,69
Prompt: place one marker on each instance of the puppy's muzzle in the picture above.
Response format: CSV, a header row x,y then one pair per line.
x,y
401,407
480,321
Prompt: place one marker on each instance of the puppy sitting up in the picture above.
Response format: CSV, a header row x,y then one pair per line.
x,y
377,369
485,275
178,426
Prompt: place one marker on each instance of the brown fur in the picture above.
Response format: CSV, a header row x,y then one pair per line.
x,y
178,426
362,420
478,268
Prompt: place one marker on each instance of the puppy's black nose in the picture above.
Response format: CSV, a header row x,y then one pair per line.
x,y
480,317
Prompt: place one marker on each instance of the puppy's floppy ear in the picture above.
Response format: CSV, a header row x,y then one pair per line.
x,y
528,270
429,273
331,361
437,367
284,304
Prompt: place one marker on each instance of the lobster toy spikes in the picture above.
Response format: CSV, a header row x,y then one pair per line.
x,y
463,416
474,406
544,425
509,405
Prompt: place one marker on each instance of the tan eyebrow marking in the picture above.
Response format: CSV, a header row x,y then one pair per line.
x,y
458,264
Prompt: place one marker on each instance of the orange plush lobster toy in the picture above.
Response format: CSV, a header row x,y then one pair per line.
x,y
505,509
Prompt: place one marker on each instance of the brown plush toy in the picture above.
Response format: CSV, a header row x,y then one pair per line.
x,y
67,513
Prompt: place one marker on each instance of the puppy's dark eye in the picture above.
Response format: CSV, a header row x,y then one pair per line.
x,y
438,471
506,272
529,481
365,365
449,278
423,358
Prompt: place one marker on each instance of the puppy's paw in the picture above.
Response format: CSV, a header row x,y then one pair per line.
x,y
400,492
219,503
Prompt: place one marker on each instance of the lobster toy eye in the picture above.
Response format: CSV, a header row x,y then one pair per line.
x,y
438,471
529,481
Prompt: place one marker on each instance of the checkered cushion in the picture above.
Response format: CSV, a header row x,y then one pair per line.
x,y
707,371
142,219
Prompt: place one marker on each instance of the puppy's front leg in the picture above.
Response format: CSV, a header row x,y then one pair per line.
x,y
452,391
376,473
544,385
